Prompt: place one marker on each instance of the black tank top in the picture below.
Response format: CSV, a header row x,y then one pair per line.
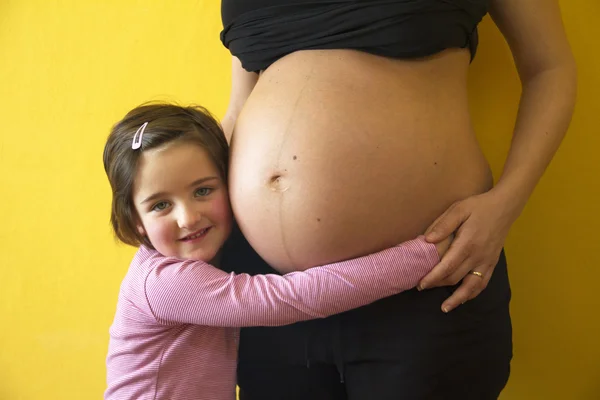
x,y
259,32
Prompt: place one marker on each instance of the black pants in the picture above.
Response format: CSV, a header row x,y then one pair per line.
x,y
402,347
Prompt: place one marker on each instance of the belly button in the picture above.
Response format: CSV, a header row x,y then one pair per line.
x,y
278,183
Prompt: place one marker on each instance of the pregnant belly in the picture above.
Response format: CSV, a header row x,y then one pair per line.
x,y
328,165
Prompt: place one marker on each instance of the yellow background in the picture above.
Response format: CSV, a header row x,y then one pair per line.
x,y
69,69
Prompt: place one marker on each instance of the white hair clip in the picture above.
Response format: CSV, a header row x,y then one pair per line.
x,y
137,140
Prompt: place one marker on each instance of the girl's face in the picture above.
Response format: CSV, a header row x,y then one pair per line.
x,y
182,202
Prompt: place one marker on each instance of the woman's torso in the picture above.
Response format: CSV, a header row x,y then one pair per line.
x,y
339,153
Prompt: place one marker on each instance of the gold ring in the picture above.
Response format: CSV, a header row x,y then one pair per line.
x,y
479,274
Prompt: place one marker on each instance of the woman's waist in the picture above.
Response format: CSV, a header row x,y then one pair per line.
x,y
332,160
302,219
324,147
358,103
340,73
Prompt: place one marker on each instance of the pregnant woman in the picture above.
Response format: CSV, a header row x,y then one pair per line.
x,y
350,132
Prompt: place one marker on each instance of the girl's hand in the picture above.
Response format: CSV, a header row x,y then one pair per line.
x,y
443,245
481,224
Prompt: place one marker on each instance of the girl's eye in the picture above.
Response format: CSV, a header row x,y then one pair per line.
x,y
203,192
160,206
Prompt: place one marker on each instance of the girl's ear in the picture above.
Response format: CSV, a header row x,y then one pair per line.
x,y
141,230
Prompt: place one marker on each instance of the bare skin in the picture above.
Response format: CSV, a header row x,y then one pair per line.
x,y
380,136
339,153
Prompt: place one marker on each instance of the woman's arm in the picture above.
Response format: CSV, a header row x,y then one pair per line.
x,y
194,292
535,34
242,83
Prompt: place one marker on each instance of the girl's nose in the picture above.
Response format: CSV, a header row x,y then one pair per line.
x,y
188,217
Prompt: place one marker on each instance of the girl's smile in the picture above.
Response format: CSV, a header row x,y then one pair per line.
x,y
196,235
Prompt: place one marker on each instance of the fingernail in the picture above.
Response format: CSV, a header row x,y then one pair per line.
x,y
446,309
420,287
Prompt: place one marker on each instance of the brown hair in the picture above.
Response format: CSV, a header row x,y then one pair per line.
x,y
166,123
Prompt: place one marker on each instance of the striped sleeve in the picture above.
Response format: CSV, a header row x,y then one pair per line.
x,y
194,292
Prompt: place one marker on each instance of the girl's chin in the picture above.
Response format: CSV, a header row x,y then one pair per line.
x,y
209,257
200,254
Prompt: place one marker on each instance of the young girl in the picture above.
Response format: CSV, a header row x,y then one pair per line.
x,y
174,335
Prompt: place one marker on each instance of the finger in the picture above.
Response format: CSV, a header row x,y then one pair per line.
x,y
461,272
454,258
447,223
434,223
472,285
487,276
486,271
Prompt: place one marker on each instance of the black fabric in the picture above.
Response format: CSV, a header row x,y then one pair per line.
x,y
402,347
289,382
259,32
381,380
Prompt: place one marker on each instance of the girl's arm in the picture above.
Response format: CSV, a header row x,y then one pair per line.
x,y
194,292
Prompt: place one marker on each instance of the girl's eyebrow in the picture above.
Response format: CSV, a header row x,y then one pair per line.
x,y
163,194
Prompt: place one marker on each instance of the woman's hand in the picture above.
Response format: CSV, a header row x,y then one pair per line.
x,y
481,224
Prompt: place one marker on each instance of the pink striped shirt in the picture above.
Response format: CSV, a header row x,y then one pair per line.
x,y
175,331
